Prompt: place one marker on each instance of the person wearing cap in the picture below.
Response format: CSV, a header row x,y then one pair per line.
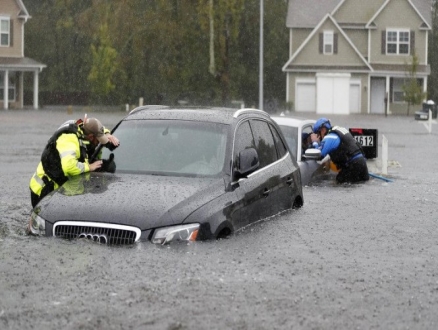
x,y
67,154
343,149
306,142
96,134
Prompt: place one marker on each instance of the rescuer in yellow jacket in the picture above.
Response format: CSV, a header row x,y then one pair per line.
x,y
67,154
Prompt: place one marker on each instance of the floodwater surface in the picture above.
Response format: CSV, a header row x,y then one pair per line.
x,y
358,256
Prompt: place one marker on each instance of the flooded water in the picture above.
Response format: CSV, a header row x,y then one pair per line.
x,y
353,257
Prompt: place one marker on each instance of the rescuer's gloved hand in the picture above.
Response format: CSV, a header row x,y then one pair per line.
x,y
110,146
108,165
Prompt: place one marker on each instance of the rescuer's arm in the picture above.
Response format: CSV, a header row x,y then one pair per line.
x,y
69,152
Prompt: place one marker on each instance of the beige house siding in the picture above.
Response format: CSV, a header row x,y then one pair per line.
x,y
9,8
310,54
397,14
360,39
298,37
361,10
402,109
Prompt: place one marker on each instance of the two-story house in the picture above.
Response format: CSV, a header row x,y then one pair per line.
x,y
352,56
13,64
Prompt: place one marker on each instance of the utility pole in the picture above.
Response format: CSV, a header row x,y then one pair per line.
x,y
261,58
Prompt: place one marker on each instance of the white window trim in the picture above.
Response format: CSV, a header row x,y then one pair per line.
x,y
397,42
8,32
328,40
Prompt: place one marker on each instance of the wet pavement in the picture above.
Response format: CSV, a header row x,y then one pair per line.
x,y
353,257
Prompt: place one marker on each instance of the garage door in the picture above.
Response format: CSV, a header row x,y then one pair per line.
x,y
333,90
305,97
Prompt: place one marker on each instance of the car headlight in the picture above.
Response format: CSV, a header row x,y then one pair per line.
x,y
185,233
37,225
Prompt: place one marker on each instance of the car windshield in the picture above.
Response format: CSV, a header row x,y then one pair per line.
x,y
291,134
170,147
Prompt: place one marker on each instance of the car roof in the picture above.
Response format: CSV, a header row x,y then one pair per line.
x,y
292,121
209,114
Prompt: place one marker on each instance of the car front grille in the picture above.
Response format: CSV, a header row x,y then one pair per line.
x,y
99,232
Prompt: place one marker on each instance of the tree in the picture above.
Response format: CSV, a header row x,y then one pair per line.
x,y
54,37
221,21
433,54
413,91
104,65
159,47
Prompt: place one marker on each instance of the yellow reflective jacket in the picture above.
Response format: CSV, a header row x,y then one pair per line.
x,y
65,155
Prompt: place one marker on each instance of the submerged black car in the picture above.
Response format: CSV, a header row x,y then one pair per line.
x,y
181,174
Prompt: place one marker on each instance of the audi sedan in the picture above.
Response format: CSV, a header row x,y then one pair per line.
x,y
179,174
296,131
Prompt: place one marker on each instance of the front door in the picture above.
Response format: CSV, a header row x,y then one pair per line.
x,y
354,97
378,86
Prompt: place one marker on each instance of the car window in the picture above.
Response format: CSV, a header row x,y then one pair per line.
x,y
290,134
305,138
243,139
170,147
281,148
264,142
308,129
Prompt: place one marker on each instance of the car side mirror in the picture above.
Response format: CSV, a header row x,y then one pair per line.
x,y
311,153
248,162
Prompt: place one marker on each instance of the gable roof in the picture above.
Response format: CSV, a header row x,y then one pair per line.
x,y
23,11
425,24
424,7
308,13
363,11
313,33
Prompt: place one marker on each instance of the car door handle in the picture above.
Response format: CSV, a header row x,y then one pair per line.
x,y
289,181
266,192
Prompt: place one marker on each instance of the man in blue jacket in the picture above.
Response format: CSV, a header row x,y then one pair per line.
x,y
344,151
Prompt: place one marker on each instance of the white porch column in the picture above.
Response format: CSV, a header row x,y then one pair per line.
x,y
35,89
6,90
425,86
20,89
387,96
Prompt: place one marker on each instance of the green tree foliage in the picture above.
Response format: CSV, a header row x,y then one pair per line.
x,y
104,65
120,50
220,20
54,36
413,91
433,54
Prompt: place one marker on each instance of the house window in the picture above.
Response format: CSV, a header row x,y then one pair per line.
x,y
397,42
4,31
398,96
11,88
397,90
328,42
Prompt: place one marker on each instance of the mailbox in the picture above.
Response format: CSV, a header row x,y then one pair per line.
x,y
368,139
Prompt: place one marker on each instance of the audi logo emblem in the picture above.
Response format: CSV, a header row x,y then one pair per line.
x,y
99,238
